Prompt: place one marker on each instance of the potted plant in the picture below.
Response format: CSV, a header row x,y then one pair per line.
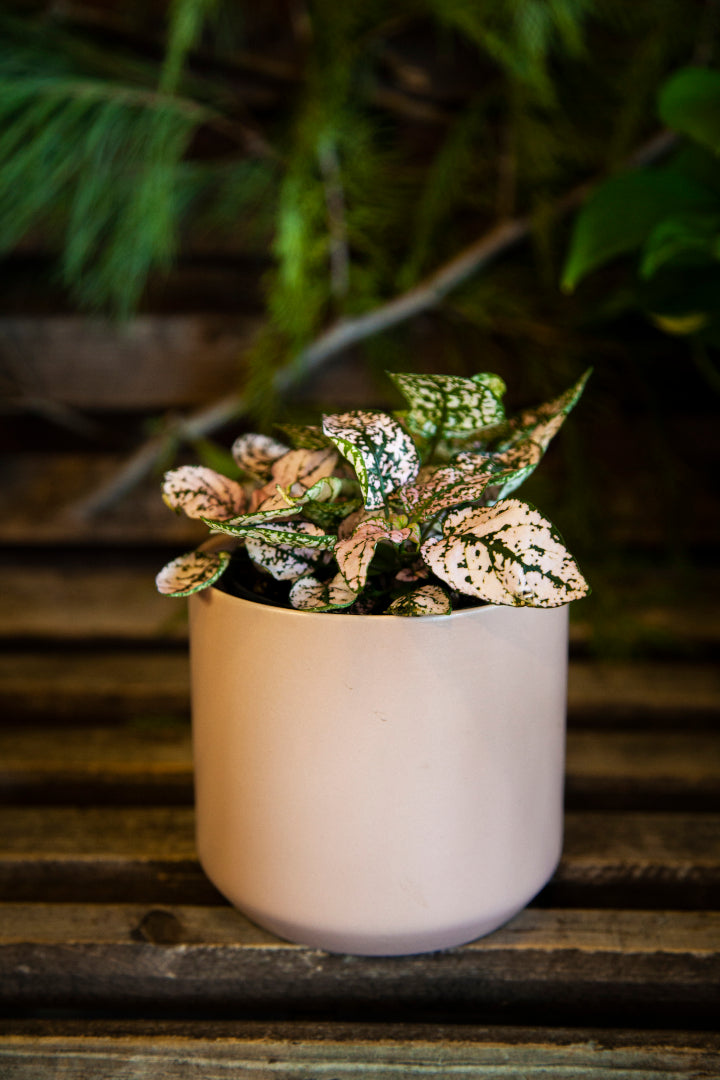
x,y
379,650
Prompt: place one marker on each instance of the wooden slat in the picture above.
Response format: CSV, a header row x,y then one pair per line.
x,y
357,1052
149,362
38,489
102,683
150,761
112,595
587,963
148,854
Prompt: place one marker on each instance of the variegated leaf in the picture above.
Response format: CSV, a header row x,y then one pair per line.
x,y
449,486
302,534
449,406
355,553
381,452
192,572
273,508
202,492
505,554
256,453
309,594
287,551
305,436
540,425
508,468
427,600
299,470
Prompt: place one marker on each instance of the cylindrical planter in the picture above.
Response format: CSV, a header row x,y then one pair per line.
x,y
377,784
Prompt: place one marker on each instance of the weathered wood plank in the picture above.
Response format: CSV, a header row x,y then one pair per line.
x,y
38,490
300,1052
585,963
103,683
147,854
150,761
112,595
150,362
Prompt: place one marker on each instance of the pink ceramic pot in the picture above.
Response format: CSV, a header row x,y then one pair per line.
x,y
378,784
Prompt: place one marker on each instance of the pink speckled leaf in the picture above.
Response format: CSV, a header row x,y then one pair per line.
x,y
427,600
256,453
299,470
449,486
505,554
202,493
192,572
309,594
355,553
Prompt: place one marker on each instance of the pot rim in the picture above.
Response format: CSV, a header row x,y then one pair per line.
x,y
479,611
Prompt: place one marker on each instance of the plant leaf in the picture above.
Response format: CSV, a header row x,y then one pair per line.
x,y
622,213
505,554
298,470
305,436
354,554
271,508
309,594
449,486
202,493
257,453
689,240
449,406
287,551
381,452
296,533
427,600
192,572
689,103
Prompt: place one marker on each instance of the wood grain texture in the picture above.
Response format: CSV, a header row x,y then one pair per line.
x,y
585,963
112,595
103,682
147,854
359,1052
149,760
150,362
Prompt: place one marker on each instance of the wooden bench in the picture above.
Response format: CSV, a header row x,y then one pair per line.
x,y
119,959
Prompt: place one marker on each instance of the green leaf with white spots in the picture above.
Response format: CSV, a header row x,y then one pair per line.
x,y
309,594
272,509
192,572
305,436
427,600
355,553
448,406
505,554
300,534
257,453
448,486
202,492
379,449
287,551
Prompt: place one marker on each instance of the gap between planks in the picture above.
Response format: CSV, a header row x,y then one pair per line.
x,y
557,963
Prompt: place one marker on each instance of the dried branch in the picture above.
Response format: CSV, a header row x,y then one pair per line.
x,y
347,332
